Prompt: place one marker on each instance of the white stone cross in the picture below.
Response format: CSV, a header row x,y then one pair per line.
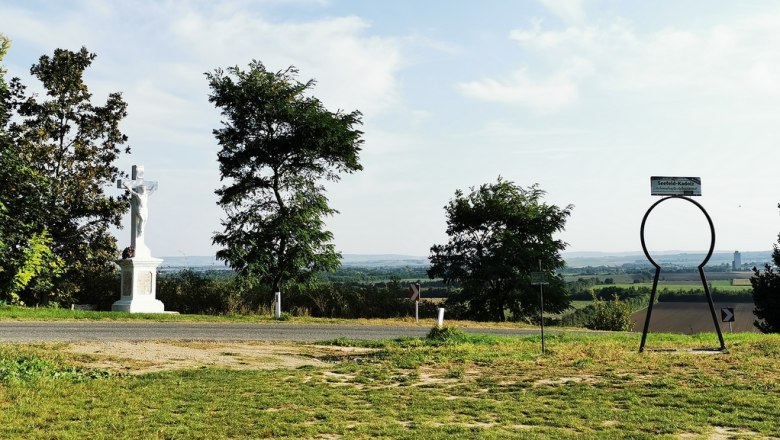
x,y
140,190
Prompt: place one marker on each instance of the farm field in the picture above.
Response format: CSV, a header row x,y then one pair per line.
x,y
668,276
694,317
476,386
721,285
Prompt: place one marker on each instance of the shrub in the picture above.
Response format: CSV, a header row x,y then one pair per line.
x,y
188,291
446,335
614,315
766,294
766,297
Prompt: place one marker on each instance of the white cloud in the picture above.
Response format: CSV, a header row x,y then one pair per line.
x,y
23,25
737,60
353,71
733,60
558,91
570,11
543,96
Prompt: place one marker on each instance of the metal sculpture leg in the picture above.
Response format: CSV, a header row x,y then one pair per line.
x,y
712,308
650,308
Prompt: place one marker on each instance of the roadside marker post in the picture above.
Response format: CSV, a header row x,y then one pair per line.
x,y
440,321
414,294
727,315
278,301
538,279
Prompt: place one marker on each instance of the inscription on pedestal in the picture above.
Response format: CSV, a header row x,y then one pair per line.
x,y
144,284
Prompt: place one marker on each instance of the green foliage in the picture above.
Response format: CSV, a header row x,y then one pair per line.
x,y
446,335
611,309
498,233
37,259
358,274
193,292
218,293
4,146
59,157
697,295
766,295
614,315
278,145
355,300
24,242
5,44
29,368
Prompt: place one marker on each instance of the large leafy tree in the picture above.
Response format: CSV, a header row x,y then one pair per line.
x,y
766,294
498,233
279,145
25,253
5,114
64,148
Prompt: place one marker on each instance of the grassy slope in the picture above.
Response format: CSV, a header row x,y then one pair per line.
x,y
489,387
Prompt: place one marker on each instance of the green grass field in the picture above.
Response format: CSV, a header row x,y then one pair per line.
x,y
722,285
594,386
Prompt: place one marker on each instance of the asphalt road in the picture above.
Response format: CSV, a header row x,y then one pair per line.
x,y
60,331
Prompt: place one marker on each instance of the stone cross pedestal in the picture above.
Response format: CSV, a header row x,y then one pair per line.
x,y
139,271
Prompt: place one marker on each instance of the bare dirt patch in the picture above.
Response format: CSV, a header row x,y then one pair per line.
x,y
724,433
140,357
565,380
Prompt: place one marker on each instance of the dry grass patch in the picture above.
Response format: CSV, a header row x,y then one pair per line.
x,y
141,357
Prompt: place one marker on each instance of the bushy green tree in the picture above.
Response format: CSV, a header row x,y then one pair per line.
x,y
278,145
498,233
766,294
58,157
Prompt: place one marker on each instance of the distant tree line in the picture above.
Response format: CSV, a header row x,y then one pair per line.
x,y
188,291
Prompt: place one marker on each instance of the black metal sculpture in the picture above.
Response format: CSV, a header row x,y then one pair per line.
x,y
658,271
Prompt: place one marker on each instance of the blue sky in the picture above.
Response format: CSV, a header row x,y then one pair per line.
x,y
586,98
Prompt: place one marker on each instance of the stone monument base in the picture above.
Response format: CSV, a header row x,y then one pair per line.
x,y
139,286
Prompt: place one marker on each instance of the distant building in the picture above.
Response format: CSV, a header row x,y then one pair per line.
x,y
737,263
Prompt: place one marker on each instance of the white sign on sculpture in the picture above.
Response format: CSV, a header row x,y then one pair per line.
x,y
139,268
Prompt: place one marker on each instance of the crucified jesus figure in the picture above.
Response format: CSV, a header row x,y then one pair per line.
x,y
139,190
140,206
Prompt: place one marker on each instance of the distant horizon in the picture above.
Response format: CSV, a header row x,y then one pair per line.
x,y
570,253
573,259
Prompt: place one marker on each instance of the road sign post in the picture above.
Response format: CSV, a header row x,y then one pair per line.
x,y
414,294
727,315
